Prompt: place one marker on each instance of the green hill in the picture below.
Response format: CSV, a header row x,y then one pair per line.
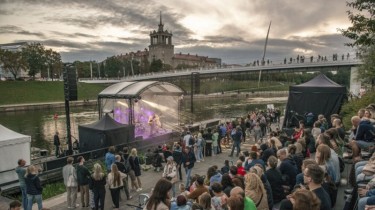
x,y
21,92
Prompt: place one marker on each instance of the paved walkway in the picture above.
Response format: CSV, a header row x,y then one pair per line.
x,y
148,178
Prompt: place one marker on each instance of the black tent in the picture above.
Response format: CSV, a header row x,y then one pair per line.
x,y
104,133
320,95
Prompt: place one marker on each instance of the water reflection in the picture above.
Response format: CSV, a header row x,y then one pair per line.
x,y
41,126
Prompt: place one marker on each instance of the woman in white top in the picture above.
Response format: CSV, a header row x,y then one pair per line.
x,y
170,173
115,183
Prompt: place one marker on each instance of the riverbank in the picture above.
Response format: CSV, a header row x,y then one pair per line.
x,y
255,96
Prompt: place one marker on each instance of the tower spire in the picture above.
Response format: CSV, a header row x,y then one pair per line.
x,y
161,24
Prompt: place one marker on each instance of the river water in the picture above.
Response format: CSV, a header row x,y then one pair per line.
x,y
41,126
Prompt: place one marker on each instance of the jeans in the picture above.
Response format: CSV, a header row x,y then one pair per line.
x,y
115,194
200,155
238,145
362,203
215,149
99,197
188,174
174,189
24,197
57,151
71,194
38,199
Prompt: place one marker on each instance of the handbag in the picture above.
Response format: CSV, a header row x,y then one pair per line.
x,y
71,182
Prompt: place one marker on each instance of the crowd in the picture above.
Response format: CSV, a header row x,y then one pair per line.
x,y
301,171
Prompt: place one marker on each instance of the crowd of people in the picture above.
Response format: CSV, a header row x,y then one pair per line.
x,y
301,171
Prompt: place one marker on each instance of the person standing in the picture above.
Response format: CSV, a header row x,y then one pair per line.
x,y
177,157
83,176
208,138
110,158
136,168
115,183
188,160
70,181
98,182
121,168
21,172
170,173
56,142
33,188
237,137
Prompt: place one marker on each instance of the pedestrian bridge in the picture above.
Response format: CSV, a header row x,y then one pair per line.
x,y
289,67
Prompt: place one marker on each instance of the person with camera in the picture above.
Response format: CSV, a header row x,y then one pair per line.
x,y
170,173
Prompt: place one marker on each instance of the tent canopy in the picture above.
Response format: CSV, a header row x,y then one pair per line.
x,y
320,95
8,137
104,133
130,90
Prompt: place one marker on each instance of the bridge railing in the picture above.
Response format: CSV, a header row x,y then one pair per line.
x,y
307,60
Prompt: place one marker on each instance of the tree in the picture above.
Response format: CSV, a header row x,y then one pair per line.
x,y
156,66
366,72
54,63
363,28
34,54
12,62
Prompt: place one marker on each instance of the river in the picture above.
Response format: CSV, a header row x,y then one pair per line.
x,y
41,126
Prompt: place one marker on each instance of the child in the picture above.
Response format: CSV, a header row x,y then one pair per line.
x,y
183,190
219,200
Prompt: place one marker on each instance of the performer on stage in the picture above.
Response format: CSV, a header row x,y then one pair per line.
x,y
154,123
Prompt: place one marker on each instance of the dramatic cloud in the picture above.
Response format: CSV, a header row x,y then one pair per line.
x,y
234,31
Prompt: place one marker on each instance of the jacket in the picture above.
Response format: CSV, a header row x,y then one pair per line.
x,y
190,157
33,186
21,171
170,170
365,131
111,179
67,170
83,175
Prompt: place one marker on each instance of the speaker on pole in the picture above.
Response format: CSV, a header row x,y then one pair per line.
x,y
70,82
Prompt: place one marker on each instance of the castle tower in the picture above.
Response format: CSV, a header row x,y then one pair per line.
x,y
161,45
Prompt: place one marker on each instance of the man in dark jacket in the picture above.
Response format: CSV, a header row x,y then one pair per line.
x,y
83,176
364,135
56,142
188,160
287,168
237,138
177,157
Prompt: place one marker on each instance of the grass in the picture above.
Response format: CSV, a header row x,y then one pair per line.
x,y
21,92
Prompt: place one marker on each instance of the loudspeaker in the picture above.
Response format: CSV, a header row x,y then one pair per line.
x,y
70,83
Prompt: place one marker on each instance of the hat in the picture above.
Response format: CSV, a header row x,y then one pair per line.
x,y
170,158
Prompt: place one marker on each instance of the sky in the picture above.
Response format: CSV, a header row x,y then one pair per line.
x,y
233,30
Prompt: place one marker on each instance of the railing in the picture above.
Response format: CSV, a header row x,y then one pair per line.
x,y
273,64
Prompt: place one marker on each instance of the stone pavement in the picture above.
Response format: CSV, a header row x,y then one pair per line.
x,y
148,179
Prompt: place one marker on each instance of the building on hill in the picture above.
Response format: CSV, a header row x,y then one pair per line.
x,y
161,48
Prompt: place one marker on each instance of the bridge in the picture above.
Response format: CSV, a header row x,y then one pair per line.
x,y
296,67
350,64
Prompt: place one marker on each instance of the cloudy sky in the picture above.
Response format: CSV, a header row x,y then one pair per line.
x,y
232,30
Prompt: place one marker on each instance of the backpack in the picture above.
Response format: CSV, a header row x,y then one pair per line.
x,y
191,141
127,167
